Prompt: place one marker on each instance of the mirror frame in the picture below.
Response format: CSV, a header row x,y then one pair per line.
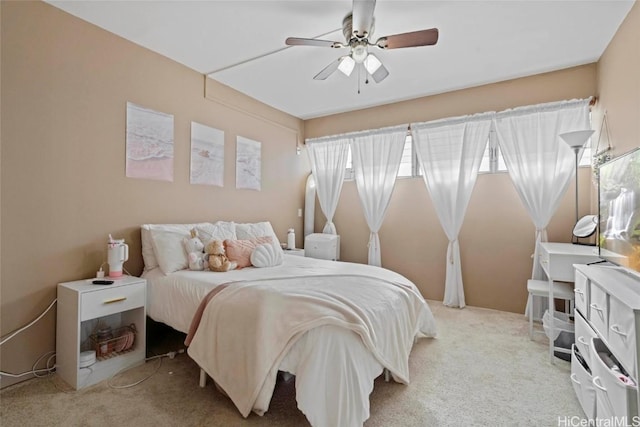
x,y
586,226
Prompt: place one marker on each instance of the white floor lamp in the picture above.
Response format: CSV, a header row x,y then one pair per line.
x,y
576,140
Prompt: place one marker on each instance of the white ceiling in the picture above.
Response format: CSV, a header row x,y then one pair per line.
x,y
480,42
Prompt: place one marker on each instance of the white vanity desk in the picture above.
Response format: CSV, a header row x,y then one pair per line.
x,y
557,259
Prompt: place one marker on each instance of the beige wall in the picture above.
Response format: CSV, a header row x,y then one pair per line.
x,y
497,238
619,87
65,85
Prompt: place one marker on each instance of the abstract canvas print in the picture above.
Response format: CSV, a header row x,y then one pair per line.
x,y
207,155
149,143
248,164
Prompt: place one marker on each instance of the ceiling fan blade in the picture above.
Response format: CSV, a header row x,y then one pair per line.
x,y
297,41
412,39
328,70
362,17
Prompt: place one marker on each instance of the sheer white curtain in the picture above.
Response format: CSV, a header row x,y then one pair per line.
x,y
540,164
376,157
328,157
450,152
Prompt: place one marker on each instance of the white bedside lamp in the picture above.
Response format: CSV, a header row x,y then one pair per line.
x,y
576,140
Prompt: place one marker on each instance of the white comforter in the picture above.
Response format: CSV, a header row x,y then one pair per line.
x,y
325,347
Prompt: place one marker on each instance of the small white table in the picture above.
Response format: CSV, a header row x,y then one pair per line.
x,y
557,260
82,307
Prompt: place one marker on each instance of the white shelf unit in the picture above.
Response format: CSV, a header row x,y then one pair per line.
x,y
607,322
84,307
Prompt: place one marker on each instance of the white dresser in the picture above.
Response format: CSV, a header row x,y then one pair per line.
x,y
607,326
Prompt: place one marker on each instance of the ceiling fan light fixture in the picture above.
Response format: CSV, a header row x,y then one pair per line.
x,y
346,65
359,53
372,63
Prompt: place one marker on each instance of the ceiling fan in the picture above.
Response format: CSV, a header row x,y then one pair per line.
x,y
357,27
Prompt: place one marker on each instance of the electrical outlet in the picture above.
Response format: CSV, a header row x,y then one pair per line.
x,y
300,213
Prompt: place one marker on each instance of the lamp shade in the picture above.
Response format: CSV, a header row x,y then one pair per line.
x,y
576,138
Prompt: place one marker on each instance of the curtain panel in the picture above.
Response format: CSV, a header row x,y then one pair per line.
x,y
450,152
540,164
376,157
328,158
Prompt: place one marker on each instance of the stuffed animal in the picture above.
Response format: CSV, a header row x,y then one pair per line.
x,y
218,260
195,251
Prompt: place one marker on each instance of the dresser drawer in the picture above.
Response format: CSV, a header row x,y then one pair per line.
x,y
584,334
614,398
622,335
581,290
599,310
583,385
114,300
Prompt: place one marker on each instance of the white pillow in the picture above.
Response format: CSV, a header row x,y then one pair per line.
x,y
266,256
148,257
258,229
168,250
220,230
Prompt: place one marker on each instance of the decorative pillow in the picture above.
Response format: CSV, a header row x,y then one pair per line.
x,y
240,250
266,256
221,230
258,229
168,248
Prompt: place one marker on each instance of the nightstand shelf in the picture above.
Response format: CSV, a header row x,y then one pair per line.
x,y
83,308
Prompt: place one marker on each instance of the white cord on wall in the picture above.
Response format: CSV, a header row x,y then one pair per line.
x,y
4,340
33,370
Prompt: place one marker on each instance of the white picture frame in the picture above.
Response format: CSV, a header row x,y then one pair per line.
x,y
149,144
207,155
248,164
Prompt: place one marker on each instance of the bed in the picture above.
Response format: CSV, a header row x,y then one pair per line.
x,y
335,326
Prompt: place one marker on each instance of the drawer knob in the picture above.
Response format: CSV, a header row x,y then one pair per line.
x,y
582,341
596,382
111,301
575,379
616,329
595,307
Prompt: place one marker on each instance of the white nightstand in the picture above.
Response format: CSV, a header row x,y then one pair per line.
x,y
297,252
83,308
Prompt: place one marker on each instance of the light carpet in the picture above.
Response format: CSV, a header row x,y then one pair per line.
x,y
481,370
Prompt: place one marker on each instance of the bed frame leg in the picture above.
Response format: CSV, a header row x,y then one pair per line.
x,y
203,378
387,375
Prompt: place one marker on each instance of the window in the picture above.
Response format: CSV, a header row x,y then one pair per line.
x,y
409,165
492,160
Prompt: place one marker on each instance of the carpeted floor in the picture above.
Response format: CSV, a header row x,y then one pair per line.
x,y
482,370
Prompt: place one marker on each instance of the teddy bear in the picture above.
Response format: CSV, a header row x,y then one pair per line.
x,y
195,251
218,260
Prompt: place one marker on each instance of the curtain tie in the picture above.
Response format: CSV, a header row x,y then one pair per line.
x,y
451,242
371,237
